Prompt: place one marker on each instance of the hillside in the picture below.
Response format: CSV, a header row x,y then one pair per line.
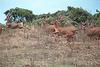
x,y
36,48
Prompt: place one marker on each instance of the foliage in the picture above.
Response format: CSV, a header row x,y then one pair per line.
x,y
20,13
72,16
78,14
59,13
97,18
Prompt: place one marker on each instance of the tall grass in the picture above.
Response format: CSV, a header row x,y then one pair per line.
x,y
40,49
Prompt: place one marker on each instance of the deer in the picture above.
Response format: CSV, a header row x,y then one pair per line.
x,y
13,25
69,31
1,28
49,27
94,32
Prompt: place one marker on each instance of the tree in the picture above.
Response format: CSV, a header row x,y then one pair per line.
x,y
20,13
59,13
97,18
78,14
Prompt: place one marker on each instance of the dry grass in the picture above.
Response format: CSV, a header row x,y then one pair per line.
x,y
39,49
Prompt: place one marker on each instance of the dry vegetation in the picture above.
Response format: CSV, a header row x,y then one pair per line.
x,y
26,48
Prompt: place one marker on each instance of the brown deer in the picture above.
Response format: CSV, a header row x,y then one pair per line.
x,y
14,25
69,31
94,32
1,28
49,27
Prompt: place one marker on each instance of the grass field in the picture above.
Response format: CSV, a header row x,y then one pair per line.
x,y
39,49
